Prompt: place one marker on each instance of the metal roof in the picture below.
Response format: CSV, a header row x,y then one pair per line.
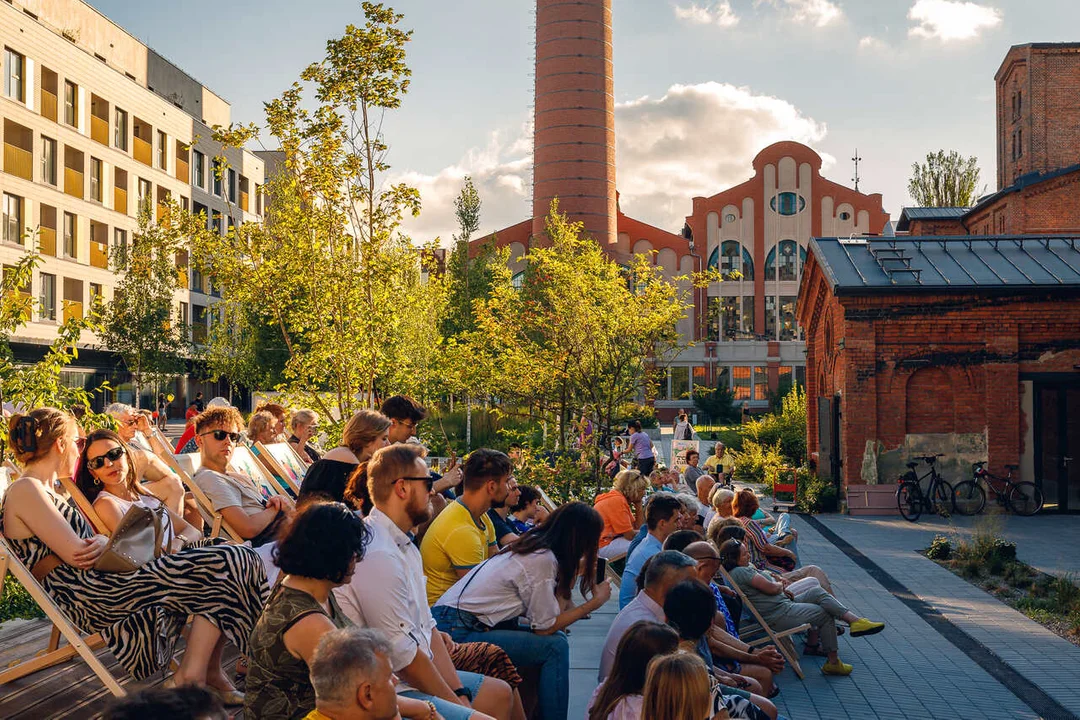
x,y
1014,263
928,213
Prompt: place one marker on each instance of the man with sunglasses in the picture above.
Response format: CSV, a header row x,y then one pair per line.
x,y
237,498
387,593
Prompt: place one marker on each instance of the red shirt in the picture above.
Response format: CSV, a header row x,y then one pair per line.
x,y
618,517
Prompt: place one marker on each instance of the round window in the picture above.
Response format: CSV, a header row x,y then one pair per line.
x,y
788,203
845,216
730,217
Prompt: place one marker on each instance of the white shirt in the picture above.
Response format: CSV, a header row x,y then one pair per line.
x,y
388,592
628,707
642,607
507,586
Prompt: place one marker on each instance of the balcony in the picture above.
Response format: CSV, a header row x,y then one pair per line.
x,y
73,183
18,162
143,151
47,240
72,309
99,130
183,171
48,105
99,255
244,200
120,203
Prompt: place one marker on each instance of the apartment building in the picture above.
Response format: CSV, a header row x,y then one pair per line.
x,y
94,124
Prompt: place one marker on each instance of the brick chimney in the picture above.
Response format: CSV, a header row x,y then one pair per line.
x,y
574,133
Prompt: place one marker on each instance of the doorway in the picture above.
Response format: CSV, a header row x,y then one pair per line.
x,y
1057,443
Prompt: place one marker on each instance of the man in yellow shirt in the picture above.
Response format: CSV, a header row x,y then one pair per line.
x,y
462,536
720,462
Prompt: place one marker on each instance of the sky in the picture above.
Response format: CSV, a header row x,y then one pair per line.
x,y
701,87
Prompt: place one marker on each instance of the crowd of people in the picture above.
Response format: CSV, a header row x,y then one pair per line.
x,y
384,590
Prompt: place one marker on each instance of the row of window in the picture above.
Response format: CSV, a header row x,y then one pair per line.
x,y
784,261
731,318
749,382
227,185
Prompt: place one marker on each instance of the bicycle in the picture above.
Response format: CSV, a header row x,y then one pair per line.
x,y
910,497
1023,498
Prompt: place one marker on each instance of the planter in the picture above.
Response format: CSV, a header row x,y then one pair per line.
x,y
872,500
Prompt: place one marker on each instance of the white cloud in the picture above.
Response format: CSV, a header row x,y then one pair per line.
x,y
694,140
869,42
948,20
816,12
718,13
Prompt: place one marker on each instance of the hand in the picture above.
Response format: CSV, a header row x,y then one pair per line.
x,y
601,594
770,658
142,424
725,590
85,557
176,545
448,641
788,593
454,476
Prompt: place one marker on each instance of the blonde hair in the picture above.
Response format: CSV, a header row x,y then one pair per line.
x,y
630,483
677,687
387,465
363,427
32,435
303,417
721,497
260,422
212,416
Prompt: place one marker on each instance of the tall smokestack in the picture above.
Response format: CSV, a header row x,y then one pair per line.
x,y
574,131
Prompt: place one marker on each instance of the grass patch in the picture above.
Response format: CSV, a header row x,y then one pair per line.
x,y
16,603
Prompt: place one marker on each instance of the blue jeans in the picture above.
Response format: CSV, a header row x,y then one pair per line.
x,y
526,649
449,710
782,528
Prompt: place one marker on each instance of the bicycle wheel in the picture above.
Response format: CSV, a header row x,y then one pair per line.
x,y
969,498
1025,498
943,498
909,499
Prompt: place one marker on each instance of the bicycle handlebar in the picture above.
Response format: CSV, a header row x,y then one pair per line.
x,y
929,458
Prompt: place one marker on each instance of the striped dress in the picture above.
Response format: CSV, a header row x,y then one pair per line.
x,y
140,614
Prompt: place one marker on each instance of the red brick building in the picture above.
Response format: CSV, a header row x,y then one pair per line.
x,y
963,346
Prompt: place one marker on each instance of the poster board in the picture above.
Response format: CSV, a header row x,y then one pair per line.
x,y
245,463
678,453
284,464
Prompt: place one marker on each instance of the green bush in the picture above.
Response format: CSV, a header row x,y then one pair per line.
x,y
815,494
758,463
645,414
940,548
786,429
17,603
1064,595
560,474
717,404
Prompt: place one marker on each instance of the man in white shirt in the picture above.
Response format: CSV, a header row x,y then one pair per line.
x,y
665,570
388,593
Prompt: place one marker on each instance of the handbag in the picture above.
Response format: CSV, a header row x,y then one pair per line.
x,y
136,541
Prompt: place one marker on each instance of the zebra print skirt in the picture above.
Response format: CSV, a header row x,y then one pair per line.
x,y
140,614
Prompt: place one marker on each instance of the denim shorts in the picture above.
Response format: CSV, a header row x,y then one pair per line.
x,y
452,711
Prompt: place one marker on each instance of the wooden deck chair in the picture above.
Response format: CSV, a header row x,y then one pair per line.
x,y
244,462
545,500
609,570
62,627
85,506
185,467
283,464
759,632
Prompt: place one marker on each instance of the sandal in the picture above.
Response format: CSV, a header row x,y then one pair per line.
x,y
815,651
775,691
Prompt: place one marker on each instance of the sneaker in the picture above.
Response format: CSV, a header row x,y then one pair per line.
x,y
862,626
837,668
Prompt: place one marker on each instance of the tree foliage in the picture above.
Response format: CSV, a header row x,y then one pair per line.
x,y
140,323
944,180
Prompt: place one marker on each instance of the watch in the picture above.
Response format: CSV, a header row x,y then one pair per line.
x,y
465,693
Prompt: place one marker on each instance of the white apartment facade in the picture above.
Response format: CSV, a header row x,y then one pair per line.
x,y
95,122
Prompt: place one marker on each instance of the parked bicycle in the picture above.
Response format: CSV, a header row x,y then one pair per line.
x,y
1023,498
910,497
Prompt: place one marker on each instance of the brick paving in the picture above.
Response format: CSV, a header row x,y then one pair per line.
x,y
908,671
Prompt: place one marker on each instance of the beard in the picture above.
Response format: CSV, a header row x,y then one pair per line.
x,y
498,503
420,511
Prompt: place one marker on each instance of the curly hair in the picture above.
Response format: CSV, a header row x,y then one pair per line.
x,y
214,416
321,542
32,435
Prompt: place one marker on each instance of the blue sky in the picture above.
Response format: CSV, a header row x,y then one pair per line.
x,y
701,86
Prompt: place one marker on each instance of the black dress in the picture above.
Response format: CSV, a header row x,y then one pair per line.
x,y
328,478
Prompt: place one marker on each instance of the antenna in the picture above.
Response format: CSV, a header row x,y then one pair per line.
x,y
856,160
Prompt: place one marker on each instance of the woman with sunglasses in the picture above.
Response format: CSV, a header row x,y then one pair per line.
x,y
139,614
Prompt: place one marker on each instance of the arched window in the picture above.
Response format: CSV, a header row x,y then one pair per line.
x,y
518,280
731,257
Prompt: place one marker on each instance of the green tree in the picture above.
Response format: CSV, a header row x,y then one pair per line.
x,y
944,180
717,403
140,323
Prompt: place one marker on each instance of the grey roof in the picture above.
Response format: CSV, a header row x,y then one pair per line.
x,y
864,265
929,213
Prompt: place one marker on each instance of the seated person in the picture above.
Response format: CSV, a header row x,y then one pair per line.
x,y
260,428
329,477
678,687
527,512
305,424
622,512
690,608
235,496
679,539
139,614
350,671
396,604
764,554
280,415
662,517
498,514
783,610
160,703
692,471
619,696
720,465
691,513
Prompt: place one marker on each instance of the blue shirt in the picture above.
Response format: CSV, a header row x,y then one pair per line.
x,y
628,589
641,533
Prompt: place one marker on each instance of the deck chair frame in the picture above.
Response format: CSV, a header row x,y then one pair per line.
x,y
546,500
275,468
760,633
206,508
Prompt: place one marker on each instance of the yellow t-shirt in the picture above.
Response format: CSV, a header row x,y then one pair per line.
x,y
453,542
316,715
724,463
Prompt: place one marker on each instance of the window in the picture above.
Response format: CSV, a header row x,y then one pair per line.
x,y
788,328
1019,101
731,256
770,317
71,103
71,236
198,170
95,292
729,218
162,150
120,131
761,383
48,160
729,318
232,185
14,79
748,316
47,298
741,382
12,218
120,245
145,189
787,203
1020,143
184,316
788,269
680,382
95,179
712,323
845,216
215,170
215,221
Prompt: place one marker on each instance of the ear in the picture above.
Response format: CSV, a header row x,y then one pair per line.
x,y
363,696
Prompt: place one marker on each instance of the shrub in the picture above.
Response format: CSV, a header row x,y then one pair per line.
x,y
560,474
940,548
815,494
1018,575
645,414
786,429
17,603
717,404
758,463
1064,595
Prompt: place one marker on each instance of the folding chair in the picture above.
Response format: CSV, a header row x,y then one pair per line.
x,y
759,632
609,570
185,466
283,463
545,500
244,462
84,505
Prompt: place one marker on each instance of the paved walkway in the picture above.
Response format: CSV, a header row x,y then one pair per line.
x,y
909,670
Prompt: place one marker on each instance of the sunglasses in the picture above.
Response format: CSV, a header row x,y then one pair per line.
x,y
426,479
220,435
111,456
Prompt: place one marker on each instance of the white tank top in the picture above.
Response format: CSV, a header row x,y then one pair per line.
x,y
149,502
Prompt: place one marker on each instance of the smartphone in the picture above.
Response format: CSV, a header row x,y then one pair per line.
x,y
601,570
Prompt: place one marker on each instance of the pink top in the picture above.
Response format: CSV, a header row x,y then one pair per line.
x,y
628,708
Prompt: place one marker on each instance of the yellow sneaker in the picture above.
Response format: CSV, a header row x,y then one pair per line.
x,y
837,668
862,626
